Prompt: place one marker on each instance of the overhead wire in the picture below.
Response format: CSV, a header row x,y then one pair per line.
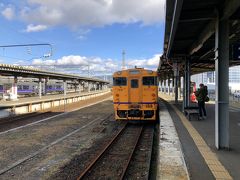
x,y
8,27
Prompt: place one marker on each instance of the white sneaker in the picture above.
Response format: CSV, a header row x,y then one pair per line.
x,y
200,118
204,117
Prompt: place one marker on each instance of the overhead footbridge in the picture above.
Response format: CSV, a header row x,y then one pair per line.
x,y
201,36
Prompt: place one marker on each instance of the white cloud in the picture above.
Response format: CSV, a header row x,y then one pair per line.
x,y
151,63
96,65
73,61
35,28
79,65
8,13
81,37
91,13
41,62
82,33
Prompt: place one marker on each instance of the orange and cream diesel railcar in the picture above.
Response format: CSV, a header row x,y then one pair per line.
x,y
135,94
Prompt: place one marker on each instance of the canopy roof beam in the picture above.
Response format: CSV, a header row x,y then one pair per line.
x,y
230,7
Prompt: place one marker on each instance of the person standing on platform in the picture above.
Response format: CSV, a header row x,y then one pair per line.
x,y
201,95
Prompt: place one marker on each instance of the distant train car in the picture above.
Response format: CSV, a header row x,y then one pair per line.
x,y
26,88
31,88
1,88
54,88
22,89
135,94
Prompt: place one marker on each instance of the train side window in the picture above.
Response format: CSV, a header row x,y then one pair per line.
x,y
134,83
120,81
19,87
25,87
149,81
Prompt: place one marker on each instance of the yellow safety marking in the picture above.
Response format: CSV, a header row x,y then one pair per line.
x,y
215,166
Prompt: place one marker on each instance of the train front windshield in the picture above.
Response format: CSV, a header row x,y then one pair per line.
x,y
134,83
149,81
120,81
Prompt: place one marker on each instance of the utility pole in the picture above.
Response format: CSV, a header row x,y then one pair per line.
x,y
88,70
123,59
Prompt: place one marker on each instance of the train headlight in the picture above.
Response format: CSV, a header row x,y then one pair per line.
x,y
149,106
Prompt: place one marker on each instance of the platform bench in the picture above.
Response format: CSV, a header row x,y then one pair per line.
x,y
191,112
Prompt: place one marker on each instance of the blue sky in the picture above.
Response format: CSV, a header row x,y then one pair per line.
x,y
82,33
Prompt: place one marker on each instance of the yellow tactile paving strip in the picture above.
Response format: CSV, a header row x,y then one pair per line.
x,y
215,166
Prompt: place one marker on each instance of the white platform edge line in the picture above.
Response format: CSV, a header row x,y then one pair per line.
x,y
176,138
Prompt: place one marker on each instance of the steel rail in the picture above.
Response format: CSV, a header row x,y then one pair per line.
x,y
147,138
108,146
101,153
133,150
22,117
32,155
51,117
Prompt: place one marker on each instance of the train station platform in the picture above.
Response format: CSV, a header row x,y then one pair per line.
x,y
197,142
31,104
49,97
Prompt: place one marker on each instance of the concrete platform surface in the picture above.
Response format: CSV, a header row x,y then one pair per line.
x,y
171,161
36,99
203,160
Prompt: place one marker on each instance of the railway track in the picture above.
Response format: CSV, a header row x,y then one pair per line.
x,y
22,117
57,141
14,122
121,157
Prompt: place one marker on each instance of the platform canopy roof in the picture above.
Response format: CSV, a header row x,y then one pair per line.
x,y
20,71
190,33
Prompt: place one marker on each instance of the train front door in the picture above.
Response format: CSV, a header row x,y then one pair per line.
x,y
135,92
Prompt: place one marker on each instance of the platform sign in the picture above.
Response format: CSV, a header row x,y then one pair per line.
x,y
236,51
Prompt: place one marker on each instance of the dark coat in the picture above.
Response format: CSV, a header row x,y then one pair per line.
x,y
201,94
